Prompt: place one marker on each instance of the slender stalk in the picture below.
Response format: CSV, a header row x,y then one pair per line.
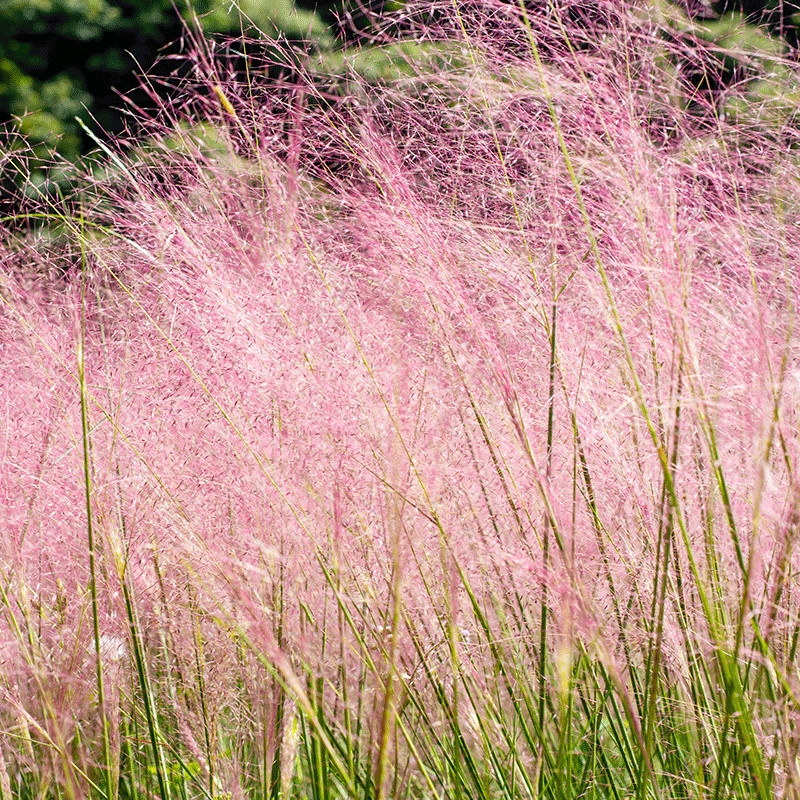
x,y
551,400
90,533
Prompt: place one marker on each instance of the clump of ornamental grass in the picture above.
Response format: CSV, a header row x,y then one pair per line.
x,y
431,436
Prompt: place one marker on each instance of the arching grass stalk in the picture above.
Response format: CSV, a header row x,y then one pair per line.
x,y
388,715
143,675
551,404
90,531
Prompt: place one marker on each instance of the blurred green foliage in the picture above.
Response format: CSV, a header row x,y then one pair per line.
x,y
756,59
59,57
780,17
744,62
64,58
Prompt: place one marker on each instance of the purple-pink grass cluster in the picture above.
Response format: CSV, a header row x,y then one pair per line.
x,y
323,336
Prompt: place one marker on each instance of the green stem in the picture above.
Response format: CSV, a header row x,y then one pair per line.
x,y
87,484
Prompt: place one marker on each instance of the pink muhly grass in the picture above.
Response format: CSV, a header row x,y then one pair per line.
x,y
336,517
